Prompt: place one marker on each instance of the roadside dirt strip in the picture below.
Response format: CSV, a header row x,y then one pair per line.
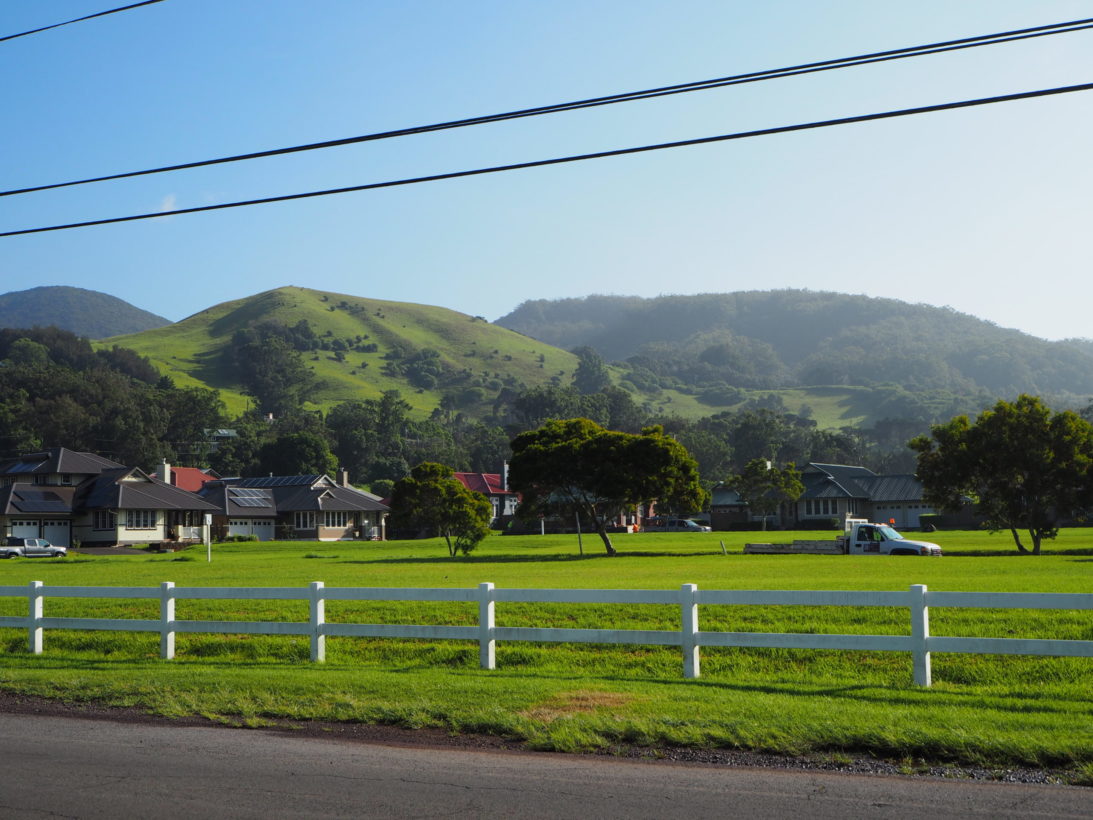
x,y
99,767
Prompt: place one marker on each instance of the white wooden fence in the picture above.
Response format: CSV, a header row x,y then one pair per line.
x,y
917,600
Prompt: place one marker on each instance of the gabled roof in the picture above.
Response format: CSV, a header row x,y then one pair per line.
x,y
191,478
269,496
129,488
485,483
57,460
835,481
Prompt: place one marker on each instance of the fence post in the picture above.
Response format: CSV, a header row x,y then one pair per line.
x,y
487,646
318,620
167,620
689,616
34,617
920,632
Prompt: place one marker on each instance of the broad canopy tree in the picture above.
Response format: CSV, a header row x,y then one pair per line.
x,y
1023,466
765,486
432,498
575,465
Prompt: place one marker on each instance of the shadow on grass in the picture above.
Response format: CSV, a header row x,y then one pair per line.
x,y
875,692
526,559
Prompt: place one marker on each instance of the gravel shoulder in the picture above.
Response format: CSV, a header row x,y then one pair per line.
x,y
11,703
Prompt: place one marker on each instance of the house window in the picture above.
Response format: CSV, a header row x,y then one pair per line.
x,y
336,518
303,520
105,520
140,519
66,478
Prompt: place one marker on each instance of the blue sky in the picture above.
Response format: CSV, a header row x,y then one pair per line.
x,y
987,211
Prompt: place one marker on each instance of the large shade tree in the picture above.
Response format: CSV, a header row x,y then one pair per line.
x,y
765,486
431,498
575,465
1023,466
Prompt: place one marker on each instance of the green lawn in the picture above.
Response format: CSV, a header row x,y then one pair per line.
x,y
989,710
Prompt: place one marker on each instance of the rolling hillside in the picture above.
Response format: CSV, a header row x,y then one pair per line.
x,y
87,313
798,339
477,358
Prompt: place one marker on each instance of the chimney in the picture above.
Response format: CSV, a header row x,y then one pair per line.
x,y
343,477
163,472
505,475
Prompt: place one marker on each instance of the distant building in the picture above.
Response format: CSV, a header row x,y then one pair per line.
x,y
832,493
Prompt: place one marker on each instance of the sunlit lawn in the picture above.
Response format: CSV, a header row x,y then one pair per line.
x,y
985,709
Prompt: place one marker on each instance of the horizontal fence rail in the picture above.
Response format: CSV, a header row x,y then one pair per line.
x,y
689,638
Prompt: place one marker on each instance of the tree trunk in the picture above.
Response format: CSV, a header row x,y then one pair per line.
x,y
1036,539
448,538
601,529
1021,548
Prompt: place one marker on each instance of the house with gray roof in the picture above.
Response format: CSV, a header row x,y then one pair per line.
x,y
835,491
832,493
298,507
69,497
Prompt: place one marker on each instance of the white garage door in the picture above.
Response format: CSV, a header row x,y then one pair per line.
x,y
56,532
24,529
263,528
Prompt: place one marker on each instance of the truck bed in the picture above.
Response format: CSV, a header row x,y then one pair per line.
x,y
797,548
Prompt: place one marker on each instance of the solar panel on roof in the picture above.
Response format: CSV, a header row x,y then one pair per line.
x,y
24,466
41,501
280,480
38,495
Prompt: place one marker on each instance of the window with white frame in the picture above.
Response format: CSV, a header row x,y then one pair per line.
x,y
336,518
304,520
140,519
105,520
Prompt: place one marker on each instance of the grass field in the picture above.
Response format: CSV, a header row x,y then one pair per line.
x,y
986,710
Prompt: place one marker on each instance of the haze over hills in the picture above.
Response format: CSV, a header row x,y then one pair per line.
x,y
793,338
87,313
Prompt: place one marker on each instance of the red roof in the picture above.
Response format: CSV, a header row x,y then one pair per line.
x,y
189,478
485,483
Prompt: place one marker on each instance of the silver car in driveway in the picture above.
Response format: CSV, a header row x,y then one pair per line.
x,y
30,548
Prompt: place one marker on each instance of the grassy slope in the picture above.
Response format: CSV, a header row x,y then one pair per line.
x,y
982,709
189,351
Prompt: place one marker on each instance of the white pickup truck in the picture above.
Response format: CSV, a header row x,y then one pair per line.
x,y
860,537
12,547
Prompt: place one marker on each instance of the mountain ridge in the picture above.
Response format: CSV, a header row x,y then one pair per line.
x,y
89,313
811,337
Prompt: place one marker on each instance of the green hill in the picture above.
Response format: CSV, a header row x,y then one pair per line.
x,y
363,343
87,313
777,340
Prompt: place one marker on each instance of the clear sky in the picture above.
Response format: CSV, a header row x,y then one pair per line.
x,y
986,210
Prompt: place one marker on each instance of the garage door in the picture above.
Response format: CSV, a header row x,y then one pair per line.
x,y
263,528
56,532
25,528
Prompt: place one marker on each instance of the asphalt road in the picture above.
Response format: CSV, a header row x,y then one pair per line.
x,y
75,767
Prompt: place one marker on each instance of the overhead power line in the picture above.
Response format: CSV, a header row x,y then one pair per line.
x,y
78,20
783,129
630,96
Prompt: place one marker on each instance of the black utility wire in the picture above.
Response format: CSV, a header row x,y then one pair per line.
x,y
721,82
783,129
78,20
